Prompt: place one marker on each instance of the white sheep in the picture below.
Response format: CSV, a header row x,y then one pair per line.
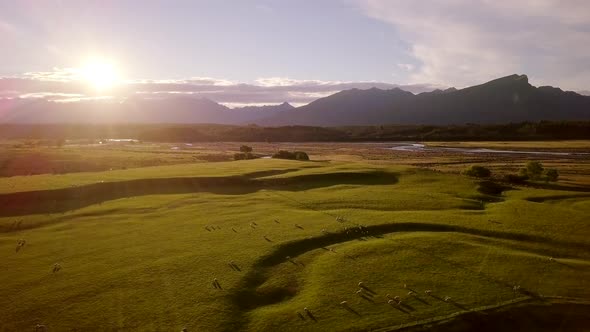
x,y
447,298
428,292
361,284
344,303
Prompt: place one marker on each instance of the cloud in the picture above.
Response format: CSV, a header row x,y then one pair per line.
x,y
60,84
465,42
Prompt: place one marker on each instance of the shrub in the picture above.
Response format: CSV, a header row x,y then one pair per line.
x,y
245,149
551,174
478,172
533,170
300,155
514,178
244,156
297,155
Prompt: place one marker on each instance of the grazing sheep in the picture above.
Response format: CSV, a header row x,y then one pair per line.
x,y
411,293
551,259
397,299
361,284
40,328
360,291
305,309
516,288
56,267
343,303
447,298
388,296
428,292
390,302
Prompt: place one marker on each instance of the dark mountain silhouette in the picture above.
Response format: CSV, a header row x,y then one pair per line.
x,y
507,99
133,110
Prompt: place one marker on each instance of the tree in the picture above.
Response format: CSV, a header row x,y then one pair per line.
x,y
478,171
245,149
551,174
533,170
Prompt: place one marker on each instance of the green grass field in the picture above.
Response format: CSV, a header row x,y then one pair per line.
x,y
142,254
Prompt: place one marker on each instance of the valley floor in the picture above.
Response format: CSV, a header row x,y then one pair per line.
x,y
360,238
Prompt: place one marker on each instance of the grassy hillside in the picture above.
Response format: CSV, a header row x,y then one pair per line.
x,y
287,236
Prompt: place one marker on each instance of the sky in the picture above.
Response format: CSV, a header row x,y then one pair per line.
x,y
262,52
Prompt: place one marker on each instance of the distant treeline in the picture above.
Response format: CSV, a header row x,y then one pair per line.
x,y
252,133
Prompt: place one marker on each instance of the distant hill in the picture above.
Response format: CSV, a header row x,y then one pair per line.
x,y
507,99
169,109
504,100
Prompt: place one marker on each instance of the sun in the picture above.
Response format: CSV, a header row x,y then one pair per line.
x,y
100,73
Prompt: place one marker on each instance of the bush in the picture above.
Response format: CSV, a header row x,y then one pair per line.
x,y
244,156
514,178
245,149
533,170
297,155
551,174
478,172
300,155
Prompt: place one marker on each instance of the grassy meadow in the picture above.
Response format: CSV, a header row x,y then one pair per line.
x,y
267,245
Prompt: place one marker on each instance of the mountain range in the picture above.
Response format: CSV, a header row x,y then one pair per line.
x,y
508,99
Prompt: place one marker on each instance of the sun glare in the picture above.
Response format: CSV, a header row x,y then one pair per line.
x,y
100,74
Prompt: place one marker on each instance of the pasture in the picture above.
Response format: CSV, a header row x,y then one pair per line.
x,y
326,245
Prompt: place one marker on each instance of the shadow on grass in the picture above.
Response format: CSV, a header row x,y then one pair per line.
x,y
247,298
67,199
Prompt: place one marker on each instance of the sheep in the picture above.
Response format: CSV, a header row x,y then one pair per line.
x,y
388,296
40,327
411,293
405,286
551,259
447,298
305,309
516,288
343,303
56,267
360,291
391,302
397,298
361,284
428,292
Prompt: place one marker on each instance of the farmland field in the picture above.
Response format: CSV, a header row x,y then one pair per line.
x,y
264,245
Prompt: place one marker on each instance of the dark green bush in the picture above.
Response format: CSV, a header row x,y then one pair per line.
x,y
551,174
300,155
478,171
533,170
297,155
244,156
514,178
245,149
